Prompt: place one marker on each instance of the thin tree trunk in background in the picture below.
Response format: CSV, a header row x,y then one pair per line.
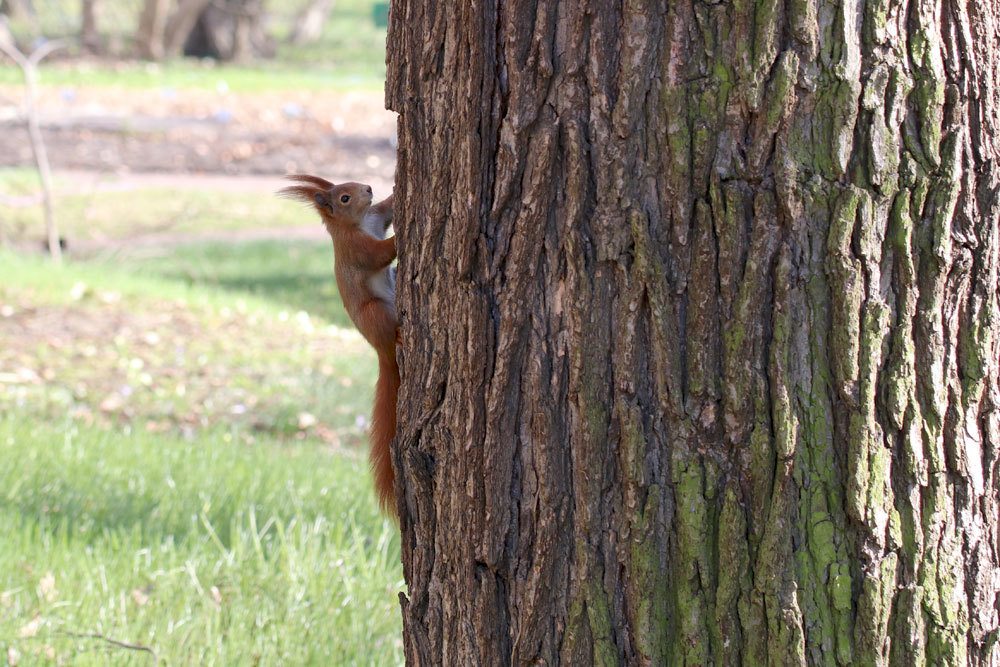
x,y
150,35
29,68
246,19
309,23
6,37
90,37
700,328
42,162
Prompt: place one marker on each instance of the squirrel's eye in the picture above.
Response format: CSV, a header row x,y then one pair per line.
x,y
345,198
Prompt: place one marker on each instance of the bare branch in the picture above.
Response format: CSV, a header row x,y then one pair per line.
x,y
46,49
13,53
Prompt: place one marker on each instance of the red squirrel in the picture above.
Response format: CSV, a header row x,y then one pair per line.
x,y
367,286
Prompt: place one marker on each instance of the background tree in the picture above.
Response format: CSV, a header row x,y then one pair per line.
x,y
700,331
233,30
6,36
181,22
28,62
90,37
18,10
309,22
152,22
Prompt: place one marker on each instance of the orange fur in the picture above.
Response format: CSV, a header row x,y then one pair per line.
x,y
383,431
358,257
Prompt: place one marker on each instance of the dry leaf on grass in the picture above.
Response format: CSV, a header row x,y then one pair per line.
x,y
31,628
47,587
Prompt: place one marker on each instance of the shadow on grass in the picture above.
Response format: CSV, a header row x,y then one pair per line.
x,y
313,292
87,504
293,275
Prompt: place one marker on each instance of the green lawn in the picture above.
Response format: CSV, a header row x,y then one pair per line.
x,y
183,427
349,55
184,464
206,551
223,341
85,214
324,74
298,274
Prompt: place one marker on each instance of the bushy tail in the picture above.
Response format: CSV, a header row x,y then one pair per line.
x,y
384,430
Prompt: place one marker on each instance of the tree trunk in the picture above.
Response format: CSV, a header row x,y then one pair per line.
x,y
21,13
310,21
232,31
19,10
90,37
700,328
181,22
152,21
29,68
6,36
245,22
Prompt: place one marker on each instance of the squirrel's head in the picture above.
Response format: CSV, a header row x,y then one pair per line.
x,y
338,205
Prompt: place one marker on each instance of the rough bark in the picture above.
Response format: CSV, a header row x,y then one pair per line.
x,y
699,310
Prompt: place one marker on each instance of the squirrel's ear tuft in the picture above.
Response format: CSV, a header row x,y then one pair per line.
x,y
321,183
312,191
301,192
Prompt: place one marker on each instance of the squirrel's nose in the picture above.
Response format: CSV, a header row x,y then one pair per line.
x,y
368,189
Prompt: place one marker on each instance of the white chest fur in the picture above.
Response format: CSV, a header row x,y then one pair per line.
x,y
383,283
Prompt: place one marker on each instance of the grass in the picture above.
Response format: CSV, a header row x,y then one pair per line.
x,y
184,73
182,431
137,341
206,551
166,518
349,55
299,274
85,214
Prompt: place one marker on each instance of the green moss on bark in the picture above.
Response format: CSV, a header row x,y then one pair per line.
x,y
690,645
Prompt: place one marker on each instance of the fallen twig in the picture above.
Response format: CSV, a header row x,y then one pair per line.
x,y
114,642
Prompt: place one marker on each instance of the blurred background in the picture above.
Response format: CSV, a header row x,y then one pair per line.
x,y
183,402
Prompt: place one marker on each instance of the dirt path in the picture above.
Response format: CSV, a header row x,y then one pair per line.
x,y
119,130
121,140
